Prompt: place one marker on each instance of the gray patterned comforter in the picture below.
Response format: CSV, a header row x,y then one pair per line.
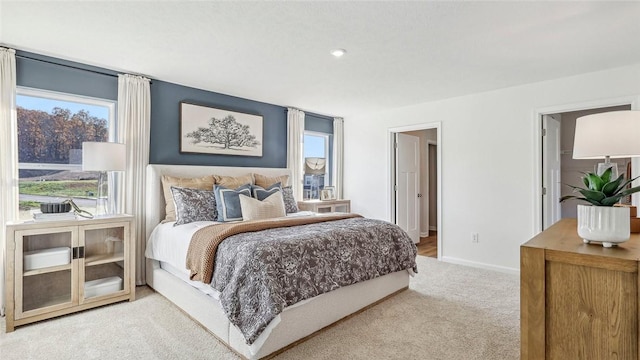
x,y
260,273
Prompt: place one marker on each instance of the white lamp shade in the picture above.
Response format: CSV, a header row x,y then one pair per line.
x,y
615,134
103,156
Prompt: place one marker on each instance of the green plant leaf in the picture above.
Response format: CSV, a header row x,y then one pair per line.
x,y
606,175
592,195
610,201
611,188
630,191
595,182
627,182
585,180
569,197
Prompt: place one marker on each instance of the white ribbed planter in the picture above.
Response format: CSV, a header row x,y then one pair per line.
x,y
609,225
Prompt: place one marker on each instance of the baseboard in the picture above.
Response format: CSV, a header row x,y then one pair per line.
x,y
433,228
424,234
502,269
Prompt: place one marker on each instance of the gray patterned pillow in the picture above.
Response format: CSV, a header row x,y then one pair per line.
x,y
194,205
290,204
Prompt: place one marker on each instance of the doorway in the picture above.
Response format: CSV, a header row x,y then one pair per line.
x,y
425,220
558,168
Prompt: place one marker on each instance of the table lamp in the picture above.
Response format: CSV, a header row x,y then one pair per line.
x,y
103,157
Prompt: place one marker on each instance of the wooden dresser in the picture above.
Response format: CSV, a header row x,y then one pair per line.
x,y
578,301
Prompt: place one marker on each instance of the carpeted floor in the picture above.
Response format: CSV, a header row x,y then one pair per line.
x,y
449,312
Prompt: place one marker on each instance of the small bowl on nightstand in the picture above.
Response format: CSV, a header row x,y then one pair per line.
x,y
54,208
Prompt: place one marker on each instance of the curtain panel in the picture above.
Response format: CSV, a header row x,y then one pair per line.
x,y
9,158
338,156
295,139
134,116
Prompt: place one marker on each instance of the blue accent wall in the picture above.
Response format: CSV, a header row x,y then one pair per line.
x,y
165,127
47,74
51,74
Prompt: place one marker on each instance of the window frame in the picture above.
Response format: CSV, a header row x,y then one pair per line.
x,y
112,128
327,151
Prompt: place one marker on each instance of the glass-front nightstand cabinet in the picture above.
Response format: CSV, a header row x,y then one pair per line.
x,y
59,267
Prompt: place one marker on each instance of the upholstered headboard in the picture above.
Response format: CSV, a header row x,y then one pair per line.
x,y
155,209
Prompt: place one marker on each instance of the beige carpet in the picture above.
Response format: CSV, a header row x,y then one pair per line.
x,y
449,312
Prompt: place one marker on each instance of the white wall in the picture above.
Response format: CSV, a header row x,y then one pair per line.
x,y
488,160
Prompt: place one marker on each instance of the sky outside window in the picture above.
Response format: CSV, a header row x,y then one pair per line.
x,y
314,146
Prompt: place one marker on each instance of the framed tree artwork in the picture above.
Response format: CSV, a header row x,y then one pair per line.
x,y
209,130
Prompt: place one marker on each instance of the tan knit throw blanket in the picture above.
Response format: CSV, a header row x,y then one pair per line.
x,y
204,242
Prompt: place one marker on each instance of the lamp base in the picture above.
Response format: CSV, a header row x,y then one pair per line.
x,y
103,205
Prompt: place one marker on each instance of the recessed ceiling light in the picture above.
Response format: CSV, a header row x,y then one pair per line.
x,y
338,52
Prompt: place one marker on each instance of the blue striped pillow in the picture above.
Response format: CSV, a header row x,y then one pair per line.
x,y
228,202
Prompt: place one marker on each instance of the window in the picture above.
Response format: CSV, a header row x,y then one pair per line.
x,y
51,129
317,163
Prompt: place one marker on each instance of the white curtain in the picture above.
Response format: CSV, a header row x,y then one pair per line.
x,y
295,139
8,154
134,117
338,156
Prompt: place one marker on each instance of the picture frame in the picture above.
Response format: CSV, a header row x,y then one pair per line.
x,y
211,130
328,193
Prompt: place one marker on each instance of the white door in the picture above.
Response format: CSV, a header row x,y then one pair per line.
x,y
551,210
408,185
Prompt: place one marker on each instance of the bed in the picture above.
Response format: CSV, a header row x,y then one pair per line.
x,y
293,324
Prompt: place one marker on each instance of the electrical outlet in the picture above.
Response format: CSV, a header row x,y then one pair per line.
x,y
474,237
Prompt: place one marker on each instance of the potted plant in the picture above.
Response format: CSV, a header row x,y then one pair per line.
x,y
602,221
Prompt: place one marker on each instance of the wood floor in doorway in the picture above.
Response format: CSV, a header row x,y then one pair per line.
x,y
428,246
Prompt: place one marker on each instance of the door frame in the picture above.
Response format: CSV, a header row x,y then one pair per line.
x,y
391,175
536,122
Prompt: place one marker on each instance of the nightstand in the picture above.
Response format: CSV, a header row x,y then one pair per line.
x,y
55,268
325,206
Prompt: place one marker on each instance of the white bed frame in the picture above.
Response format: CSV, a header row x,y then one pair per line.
x,y
295,322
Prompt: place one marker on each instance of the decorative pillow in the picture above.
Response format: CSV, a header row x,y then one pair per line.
x,y
290,203
269,208
266,181
203,183
260,193
233,182
194,205
228,202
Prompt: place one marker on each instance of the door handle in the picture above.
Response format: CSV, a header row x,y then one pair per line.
x,y
419,195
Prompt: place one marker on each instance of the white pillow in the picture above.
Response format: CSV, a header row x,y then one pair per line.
x,y
270,207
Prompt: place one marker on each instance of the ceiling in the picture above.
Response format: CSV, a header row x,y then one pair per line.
x,y
398,53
